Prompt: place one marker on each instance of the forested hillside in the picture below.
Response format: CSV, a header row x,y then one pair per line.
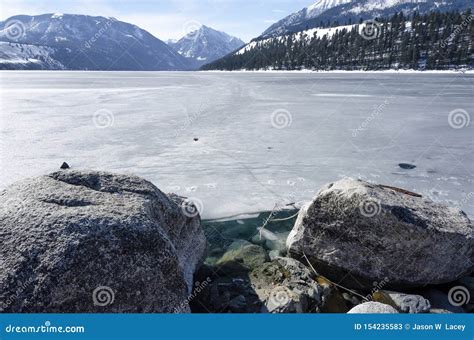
x,y
431,41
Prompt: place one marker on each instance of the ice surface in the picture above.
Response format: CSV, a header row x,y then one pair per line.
x,y
342,124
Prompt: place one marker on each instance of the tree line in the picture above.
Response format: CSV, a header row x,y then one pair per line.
x,y
421,42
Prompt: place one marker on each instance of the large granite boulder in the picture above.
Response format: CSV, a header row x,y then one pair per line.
x,y
357,233
76,241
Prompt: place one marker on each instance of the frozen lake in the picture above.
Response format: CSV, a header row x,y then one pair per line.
x,y
263,138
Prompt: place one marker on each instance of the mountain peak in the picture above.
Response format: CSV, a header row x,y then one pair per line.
x,y
206,44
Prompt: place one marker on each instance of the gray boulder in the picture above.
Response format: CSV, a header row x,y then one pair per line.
x,y
362,233
76,241
373,308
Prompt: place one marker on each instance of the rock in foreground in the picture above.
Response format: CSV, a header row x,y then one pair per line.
x,y
363,233
283,285
409,303
373,308
95,242
287,286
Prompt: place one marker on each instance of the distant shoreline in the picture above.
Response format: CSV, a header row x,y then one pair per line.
x,y
264,71
392,71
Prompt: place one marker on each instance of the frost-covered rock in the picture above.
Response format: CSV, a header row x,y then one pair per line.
x,y
373,308
283,285
382,234
286,286
409,303
76,241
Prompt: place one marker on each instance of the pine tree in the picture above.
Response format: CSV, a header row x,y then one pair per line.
x,y
431,41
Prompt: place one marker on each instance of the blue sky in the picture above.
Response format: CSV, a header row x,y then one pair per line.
x,y
170,19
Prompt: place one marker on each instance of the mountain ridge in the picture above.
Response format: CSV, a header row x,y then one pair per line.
x,y
342,12
83,42
300,16
432,41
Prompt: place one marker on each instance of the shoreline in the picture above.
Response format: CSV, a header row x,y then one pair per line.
x,y
263,264
391,71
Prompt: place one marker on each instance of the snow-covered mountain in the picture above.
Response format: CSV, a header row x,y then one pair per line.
x,y
317,42
205,45
325,12
298,18
81,42
27,57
